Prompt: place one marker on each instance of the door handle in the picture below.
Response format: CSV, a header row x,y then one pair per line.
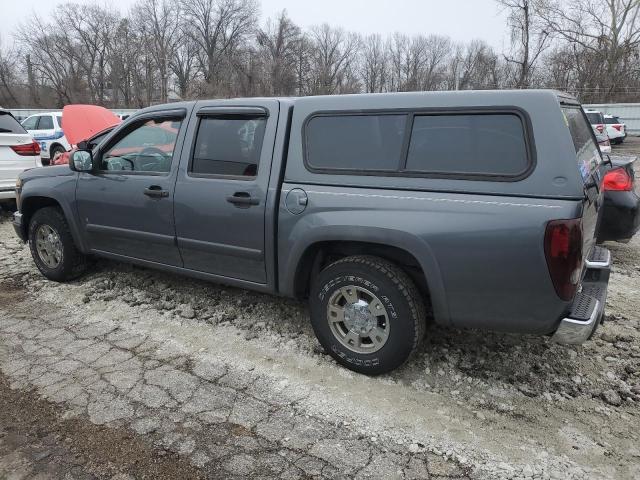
x,y
155,191
243,199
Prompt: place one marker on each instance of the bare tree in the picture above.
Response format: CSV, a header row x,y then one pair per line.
x,y
278,47
605,31
183,63
87,31
159,22
375,64
528,39
218,26
8,76
333,57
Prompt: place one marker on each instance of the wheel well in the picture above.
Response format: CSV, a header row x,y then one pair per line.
x,y
54,145
30,205
321,254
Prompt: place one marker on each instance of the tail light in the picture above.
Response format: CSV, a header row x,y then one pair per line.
x,y
618,179
617,127
600,128
563,251
27,150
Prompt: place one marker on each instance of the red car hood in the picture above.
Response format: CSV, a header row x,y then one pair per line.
x,y
80,122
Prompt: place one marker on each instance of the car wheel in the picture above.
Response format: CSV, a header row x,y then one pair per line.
x,y
58,149
52,246
367,314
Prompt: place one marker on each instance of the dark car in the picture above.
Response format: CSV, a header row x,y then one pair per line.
x,y
621,214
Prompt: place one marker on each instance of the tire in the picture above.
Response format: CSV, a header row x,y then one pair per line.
x,y
54,151
401,321
71,262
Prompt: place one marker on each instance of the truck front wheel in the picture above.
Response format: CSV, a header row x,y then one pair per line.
x,y
367,314
52,247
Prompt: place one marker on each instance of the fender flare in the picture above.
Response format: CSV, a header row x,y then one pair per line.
x,y
67,210
403,240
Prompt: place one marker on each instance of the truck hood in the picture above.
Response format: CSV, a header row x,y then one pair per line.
x,y
54,171
81,122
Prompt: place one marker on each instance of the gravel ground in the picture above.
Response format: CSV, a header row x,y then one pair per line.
x,y
132,373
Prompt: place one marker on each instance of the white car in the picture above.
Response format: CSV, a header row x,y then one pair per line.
x,y
46,129
616,130
596,119
18,152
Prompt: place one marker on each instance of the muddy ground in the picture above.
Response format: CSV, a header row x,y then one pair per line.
x,y
131,373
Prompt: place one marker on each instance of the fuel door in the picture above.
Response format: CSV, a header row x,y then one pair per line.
x,y
296,201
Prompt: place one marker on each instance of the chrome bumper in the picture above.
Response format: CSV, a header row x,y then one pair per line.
x,y
587,310
574,332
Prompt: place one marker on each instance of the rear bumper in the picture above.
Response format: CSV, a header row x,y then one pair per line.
x,y
18,226
587,309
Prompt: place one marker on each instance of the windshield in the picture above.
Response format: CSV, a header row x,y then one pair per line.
x,y
587,150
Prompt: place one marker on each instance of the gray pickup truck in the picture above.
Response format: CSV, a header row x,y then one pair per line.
x,y
476,209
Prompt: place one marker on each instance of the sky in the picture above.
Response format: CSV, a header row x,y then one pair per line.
x,y
462,20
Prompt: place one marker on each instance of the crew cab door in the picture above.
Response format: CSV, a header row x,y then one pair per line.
x,y
125,206
222,185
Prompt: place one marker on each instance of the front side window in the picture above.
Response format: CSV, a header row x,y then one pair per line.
x,y
355,142
475,144
587,151
228,146
30,123
45,123
147,148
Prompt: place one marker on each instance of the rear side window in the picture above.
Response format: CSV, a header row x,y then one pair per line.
x,y
59,120
587,151
595,118
45,123
355,142
481,144
457,144
8,124
228,146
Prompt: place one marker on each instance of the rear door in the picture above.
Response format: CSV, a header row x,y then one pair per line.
x,y
45,131
221,190
11,164
589,164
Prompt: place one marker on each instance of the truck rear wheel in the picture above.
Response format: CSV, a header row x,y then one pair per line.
x,y
367,314
52,247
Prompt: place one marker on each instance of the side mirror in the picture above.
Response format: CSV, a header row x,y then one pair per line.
x,y
83,145
81,161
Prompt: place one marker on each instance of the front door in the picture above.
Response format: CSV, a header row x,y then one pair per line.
x,y
221,188
126,205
